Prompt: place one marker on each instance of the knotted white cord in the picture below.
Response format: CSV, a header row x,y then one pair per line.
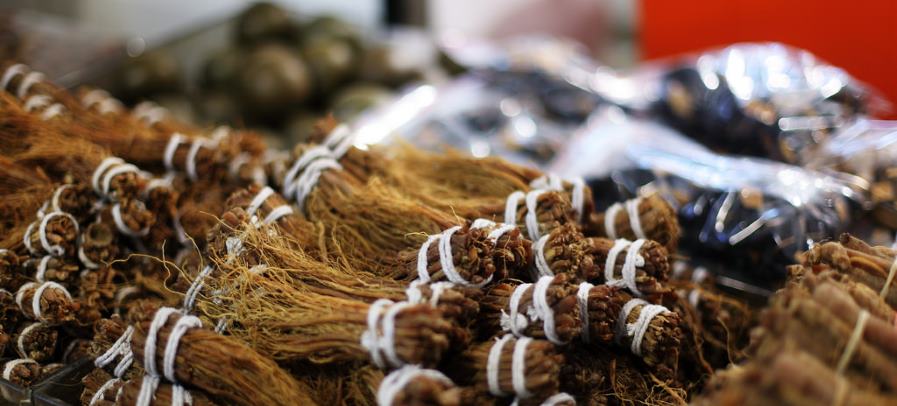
x,y
582,297
636,331
10,73
511,207
518,368
393,383
170,149
531,219
544,311
370,339
542,267
514,321
493,363
610,227
10,365
55,250
31,79
634,220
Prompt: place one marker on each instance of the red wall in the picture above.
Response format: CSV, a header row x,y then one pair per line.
x,y
859,35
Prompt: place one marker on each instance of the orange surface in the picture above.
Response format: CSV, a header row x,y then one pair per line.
x,y
859,36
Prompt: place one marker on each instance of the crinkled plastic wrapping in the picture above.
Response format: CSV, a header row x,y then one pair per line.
x,y
867,149
516,104
754,214
760,99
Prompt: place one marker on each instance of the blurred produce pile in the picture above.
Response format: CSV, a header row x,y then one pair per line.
x,y
190,264
279,71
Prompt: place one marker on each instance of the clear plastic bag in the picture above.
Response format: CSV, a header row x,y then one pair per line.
x,y
759,99
867,149
751,213
514,103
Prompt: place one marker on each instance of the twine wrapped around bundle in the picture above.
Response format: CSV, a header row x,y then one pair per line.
x,y
650,332
36,341
564,250
509,366
545,309
21,371
47,301
49,268
872,266
641,266
648,217
289,322
220,366
53,148
823,328
259,246
224,155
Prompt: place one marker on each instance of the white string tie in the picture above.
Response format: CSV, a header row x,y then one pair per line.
x,y
31,79
542,267
515,322
396,381
55,250
610,215
104,166
309,156
531,218
42,268
633,260
518,368
37,101
10,365
493,364
123,227
170,149
544,311
10,73
171,347
117,348
195,146
277,213
100,393
20,342
258,200
447,261
636,331
307,181
370,339
582,297
195,287
511,207
54,110
634,220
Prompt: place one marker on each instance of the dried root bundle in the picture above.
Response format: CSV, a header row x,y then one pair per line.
x,y
651,332
269,248
648,217
789,377
220,366
289,322
641,266
865,264
508,366
47,301
546,309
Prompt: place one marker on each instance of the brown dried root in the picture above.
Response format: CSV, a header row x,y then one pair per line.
x,y
163,395
11,274
864,264
541,366
289,322
556,317
475,187
722,322
36,341
224,368
796,318
789,377
136,219
55,147
377,227
54,304
93,382
652,265
862,294
52,269
659,345
657,220
23,372
99,244
565,251
265,246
